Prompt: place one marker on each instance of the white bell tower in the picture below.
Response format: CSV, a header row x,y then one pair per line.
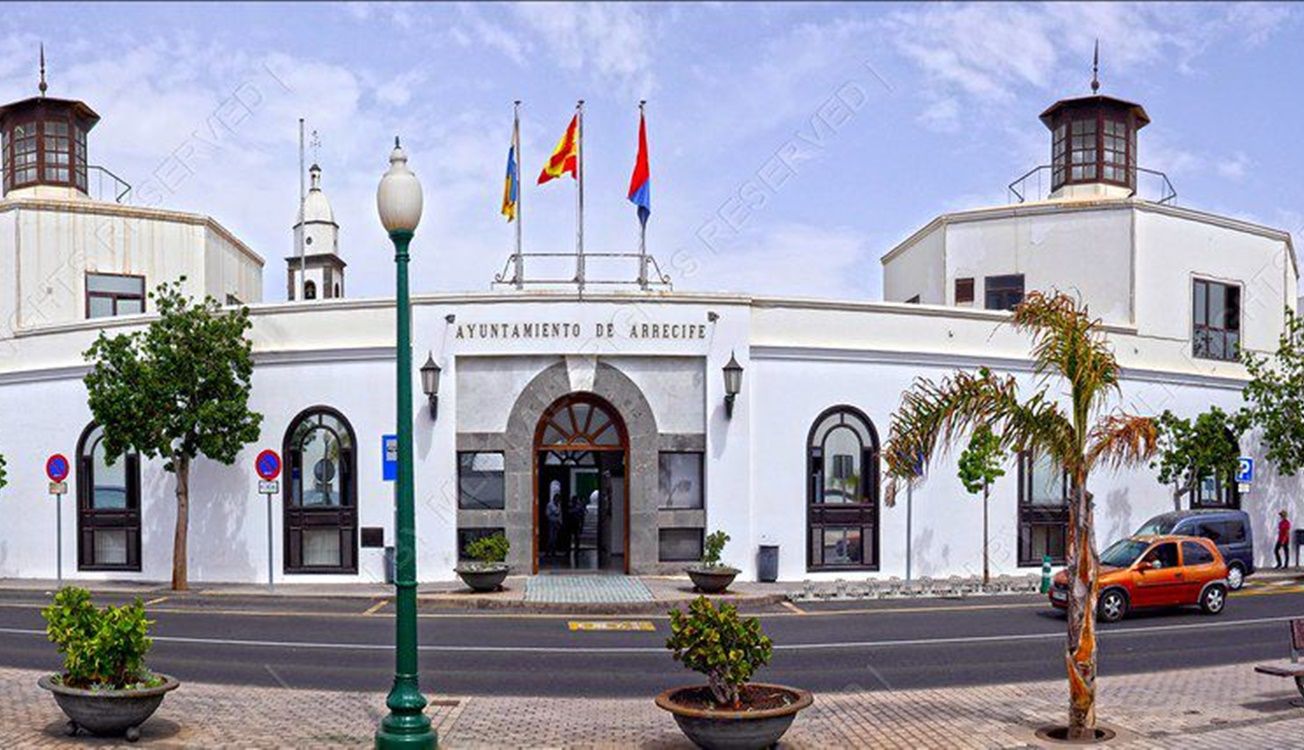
x,y
319,236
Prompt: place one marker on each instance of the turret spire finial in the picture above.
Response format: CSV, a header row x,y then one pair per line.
x,y
1095,69
43,85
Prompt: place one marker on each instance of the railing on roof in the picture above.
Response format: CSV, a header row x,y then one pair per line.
x,y
551,269
1152,185
103,185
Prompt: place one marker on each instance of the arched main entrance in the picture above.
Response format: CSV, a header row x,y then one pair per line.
x,y
581,487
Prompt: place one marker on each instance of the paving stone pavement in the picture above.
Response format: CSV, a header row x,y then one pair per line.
x,y
582,589
1222,707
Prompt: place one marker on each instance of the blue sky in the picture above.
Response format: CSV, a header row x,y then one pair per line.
x,y
792,145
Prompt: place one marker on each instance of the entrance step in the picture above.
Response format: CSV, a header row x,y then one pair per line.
x,y
586,589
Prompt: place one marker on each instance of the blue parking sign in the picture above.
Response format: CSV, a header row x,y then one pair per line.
x,y
1245,470
389,458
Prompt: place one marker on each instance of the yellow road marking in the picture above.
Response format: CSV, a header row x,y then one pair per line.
x,y
159,600
793,607
608,625
376,607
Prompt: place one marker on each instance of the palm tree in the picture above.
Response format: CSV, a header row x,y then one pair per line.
x,y
1071,426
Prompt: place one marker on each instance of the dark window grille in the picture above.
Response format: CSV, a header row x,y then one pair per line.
x,y
1043,511
842,513
1216,320
1003,292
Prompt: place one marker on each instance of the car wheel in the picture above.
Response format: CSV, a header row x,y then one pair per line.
x,y
1112,606
1235,577
1213,600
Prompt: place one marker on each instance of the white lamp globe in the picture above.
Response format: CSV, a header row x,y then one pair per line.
x,y
398,199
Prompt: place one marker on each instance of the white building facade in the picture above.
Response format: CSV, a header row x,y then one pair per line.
x,y
595,431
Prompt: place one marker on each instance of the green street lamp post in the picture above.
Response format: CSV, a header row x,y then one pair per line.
x,y
398,200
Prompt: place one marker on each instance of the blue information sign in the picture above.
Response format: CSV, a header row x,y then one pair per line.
x,y
389,458
1245,471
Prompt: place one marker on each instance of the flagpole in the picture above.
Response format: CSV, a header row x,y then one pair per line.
x,y
642,225
516,150
579,195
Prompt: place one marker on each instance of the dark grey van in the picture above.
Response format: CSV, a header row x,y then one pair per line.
x,y
1228,529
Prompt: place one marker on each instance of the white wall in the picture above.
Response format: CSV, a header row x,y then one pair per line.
x,y
919,269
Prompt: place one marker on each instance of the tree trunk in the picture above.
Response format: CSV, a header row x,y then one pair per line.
x,y
1080,655
986,569
179,581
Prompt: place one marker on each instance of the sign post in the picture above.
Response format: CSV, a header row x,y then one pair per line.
x,y
1244,473
56,469
268,466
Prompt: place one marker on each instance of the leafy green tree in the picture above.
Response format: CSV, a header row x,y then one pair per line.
x,y
3,477
980,465
1069,424
1191,451
177,389
1274,395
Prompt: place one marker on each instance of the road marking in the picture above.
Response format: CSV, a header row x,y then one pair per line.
x,y
373,609
793,607
1014,637
609,625
159,600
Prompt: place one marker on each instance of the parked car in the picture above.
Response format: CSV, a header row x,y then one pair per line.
x,y
1229,529
1154,571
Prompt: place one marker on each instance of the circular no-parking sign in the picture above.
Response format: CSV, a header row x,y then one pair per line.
x,y
268,465
56,467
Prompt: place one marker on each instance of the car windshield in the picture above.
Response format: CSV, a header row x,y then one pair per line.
x,y
1122,553
1157,526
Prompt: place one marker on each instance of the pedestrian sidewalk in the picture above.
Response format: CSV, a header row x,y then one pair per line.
x,y
1215,708
579,594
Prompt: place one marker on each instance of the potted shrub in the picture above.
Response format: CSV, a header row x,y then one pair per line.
x,y
487,568
729,711
710,576
104,687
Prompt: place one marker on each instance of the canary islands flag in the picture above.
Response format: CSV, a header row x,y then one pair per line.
x,y
640,183
511,185
565,157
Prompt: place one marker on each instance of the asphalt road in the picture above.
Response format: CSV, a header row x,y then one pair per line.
x,y
347,644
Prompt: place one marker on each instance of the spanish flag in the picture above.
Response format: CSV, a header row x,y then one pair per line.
x,y
565,157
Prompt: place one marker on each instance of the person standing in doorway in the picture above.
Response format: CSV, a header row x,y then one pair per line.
x,y
1282,551
575,519
552,513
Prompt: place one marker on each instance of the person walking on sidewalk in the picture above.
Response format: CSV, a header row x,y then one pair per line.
x,y
1281,553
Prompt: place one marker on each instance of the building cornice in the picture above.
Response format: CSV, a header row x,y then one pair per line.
x,y
101,208
971,362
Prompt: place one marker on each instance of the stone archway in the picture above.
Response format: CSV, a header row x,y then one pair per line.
x,y
614,387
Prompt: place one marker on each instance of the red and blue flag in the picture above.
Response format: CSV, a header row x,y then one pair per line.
x,y
640,183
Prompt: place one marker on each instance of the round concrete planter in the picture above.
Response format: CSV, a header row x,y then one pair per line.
x,y
735,730
712,580
482,579
108,712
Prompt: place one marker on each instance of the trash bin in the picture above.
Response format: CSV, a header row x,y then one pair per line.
x,y
767,563
391,573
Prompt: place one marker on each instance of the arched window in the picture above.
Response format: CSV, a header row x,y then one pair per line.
x,y
310,290
842,491
108,506
320,493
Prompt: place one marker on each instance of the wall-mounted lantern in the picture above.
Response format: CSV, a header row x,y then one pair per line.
x,y
430,384
733,384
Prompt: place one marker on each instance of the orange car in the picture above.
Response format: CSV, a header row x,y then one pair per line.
x,y
1154,571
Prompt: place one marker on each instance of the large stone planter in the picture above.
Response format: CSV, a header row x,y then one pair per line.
x,y
712,580
483,578
108,712
734,730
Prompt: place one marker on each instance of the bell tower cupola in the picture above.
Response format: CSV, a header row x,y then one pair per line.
x,y
1094,143
43,145
317,236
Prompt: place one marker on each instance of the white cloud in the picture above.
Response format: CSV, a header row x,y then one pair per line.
x,y
613,41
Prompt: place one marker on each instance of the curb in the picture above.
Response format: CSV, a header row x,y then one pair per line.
x,y
656,606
